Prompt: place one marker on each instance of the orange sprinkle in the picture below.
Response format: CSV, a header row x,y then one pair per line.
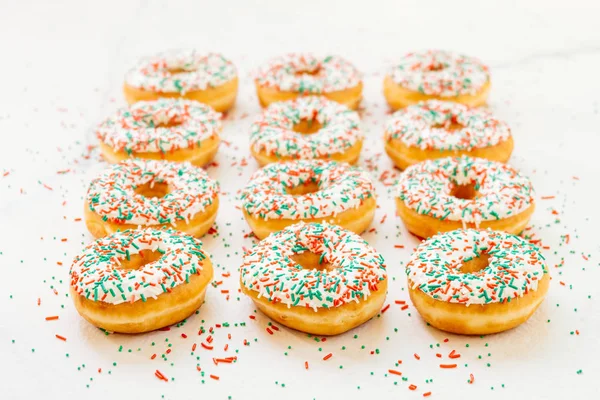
x,y
385,308
399,246
393,371
472,379
413,387
454,354
427,394
63,239
400,302
160,376
64,339
216,378
547,197
327,357
153,356
55,317
305,364
417,356
447,365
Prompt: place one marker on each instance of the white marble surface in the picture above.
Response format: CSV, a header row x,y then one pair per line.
x,y
61,73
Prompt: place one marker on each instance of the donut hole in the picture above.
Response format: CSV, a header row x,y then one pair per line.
x,y
310,260
307,126
306,71
164,121
464,192
153,190
450,125
138,260
176,70
303,189
475,264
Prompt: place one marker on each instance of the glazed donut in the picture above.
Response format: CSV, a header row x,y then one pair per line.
x,y
306,128
154,194
436,74
140,280
476,282
315,278
462,192
208,78
293,75
165,129
438,129
282,194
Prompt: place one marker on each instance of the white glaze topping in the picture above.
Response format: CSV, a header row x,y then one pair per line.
x,y
431,126
514,268
160,126
502,192
269,269
181,71
112,195
341,188
308,74
96,275
273,132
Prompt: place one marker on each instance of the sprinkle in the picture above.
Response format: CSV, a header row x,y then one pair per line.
x,y
327,357
64,339
53,318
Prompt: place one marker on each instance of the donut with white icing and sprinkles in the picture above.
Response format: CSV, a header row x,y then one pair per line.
x,y
208,78
316,278
477,282
437,75
306,128
165,129
154,194
282,194
463,192
300,74
140,280
438,129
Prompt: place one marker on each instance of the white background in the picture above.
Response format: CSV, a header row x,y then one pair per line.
x,y
61,73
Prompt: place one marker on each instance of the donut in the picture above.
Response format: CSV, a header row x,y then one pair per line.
x,y
438,129
299,74
437,74
154,194
476,282
463,192
140,280
306,128
208,78
282,194
164,129
316,278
